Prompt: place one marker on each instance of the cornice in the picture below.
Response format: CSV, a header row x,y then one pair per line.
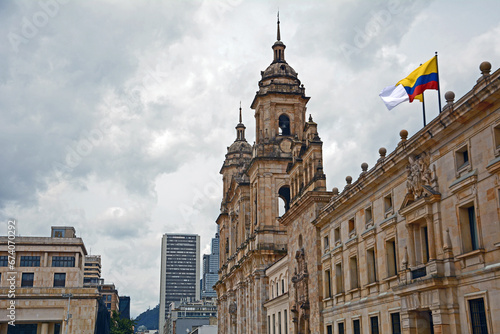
x,y
297,208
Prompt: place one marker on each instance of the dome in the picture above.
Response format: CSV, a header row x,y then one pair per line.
x,y
240,146
279,69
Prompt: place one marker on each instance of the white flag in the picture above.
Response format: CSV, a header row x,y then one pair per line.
x,y
394,95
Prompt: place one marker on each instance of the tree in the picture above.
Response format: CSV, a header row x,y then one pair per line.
x,y
120,325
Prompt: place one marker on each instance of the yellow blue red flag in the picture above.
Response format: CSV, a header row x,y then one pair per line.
x,y
423,78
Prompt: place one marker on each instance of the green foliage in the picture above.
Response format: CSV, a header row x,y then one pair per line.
x,y
121,326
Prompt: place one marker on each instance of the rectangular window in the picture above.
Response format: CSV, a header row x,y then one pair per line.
x,y
425,249
374,325
390,248
30,261
462,157
341,328
468,228
282,286
285,319
338,278
356,326
274,323
4,261
27,279
352,227
368,216
329,329
336,233
372,265
395,323
328,286
63,261
496,134
279,322
269,324
326,243
478,316
388,203
353,264
59,280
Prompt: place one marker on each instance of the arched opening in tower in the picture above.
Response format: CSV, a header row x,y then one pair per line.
x,y
284,196
284,125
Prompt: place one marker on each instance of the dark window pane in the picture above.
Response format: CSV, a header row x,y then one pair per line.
x,y
27,279
4,261
395,323
63,261
356,326
59,280
30,261
478,316
473,228
341,328
374,325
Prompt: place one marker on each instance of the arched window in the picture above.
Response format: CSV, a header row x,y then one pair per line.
x,y
284,125
284,196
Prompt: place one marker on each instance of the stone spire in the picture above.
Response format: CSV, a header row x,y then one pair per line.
x,y
240,129
278,38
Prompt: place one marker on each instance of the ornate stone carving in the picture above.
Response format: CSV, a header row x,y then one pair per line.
x,y
233,308
420,175
300,308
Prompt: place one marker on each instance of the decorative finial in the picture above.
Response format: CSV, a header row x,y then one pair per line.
x,y
279,35
382,151
241,121
310,118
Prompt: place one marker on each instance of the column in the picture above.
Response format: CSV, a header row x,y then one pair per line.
x,y
411,245
432,243
44,328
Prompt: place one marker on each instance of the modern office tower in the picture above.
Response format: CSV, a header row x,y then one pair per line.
x,y
180,271
124,306
210,270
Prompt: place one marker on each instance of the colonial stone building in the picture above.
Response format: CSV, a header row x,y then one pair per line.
x,y
411,246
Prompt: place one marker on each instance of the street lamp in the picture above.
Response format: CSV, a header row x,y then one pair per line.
x,y
68,316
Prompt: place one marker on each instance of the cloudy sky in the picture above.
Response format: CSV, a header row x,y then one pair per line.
x,y
115,115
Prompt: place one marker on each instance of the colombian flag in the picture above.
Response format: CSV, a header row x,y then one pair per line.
x,y
424,77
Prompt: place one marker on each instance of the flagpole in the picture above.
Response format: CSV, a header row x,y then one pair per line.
x,y
439,89
423,108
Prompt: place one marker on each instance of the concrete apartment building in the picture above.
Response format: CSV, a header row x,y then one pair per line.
x,y
110,296
180,271
92,273
46,268
411,245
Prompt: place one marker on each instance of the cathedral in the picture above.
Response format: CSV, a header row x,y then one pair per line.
x,y
412,245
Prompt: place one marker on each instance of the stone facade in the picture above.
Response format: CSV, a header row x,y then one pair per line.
x,y
277,305
411,246
45,269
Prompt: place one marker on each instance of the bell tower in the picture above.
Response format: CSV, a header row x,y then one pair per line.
x,y
280,102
